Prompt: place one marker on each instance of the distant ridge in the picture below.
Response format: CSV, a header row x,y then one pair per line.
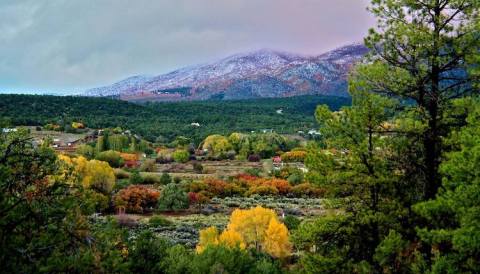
x,y
260,74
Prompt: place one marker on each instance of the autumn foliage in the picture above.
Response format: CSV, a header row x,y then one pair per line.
x,y
257,228
136,198
294,156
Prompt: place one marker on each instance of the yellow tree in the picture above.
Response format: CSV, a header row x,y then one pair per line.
x,y
208,236
96,177
276,242
99,176
231,238
251,224
217,144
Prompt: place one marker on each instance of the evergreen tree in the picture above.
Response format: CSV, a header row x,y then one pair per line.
x,y
424,52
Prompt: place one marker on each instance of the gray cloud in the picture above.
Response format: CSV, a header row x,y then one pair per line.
x,y
65,45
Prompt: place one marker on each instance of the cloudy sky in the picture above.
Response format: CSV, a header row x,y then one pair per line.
x,y
54,46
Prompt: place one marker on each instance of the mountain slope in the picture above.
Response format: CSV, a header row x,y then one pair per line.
x,y
260,74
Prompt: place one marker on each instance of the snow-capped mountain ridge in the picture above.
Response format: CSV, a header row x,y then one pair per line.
x,y
262,73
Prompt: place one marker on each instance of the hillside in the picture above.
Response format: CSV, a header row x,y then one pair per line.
x,y
168,120
260,74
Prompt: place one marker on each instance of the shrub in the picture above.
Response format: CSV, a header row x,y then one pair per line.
x,y
295,178
121,184
136,178
148,166
282,186
262,190
159,221
253,171
181,156
86,151
113,158
165,179
121,174
164,157
294,156
197,198
254,158
198,167
173,198
291,222
147,252
151,179
136,199
307,189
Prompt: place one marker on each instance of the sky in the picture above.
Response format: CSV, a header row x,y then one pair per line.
x,y
67,46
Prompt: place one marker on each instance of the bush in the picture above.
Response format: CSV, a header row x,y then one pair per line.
x,y
151,179
164,157
136,178
198,167
121,174
307,189
112,157
137,199
159,221
197,198
165,179
181,156
253,171
147,252
294,156
262,190
121,184
148,166
291,222
86,151
296,178
173,198
254,158
222,259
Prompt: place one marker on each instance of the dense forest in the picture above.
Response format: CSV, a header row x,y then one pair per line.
x,y
389,188
169,120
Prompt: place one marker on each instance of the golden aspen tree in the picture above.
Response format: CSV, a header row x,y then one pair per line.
x,y
231,238
276,242
208,236
251,224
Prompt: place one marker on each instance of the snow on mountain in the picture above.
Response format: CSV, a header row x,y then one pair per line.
x,y
263,73
133,82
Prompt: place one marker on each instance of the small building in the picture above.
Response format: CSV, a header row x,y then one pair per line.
x,y
8,130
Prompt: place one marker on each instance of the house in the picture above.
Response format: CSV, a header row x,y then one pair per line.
x,y
8,130
195,124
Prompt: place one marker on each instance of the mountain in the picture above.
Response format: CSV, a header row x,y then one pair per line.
x,y
260,74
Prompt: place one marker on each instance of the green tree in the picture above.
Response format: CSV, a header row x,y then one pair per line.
x,y
424,52
452,218
112,157
173,198
86,151
181,156
165,179
147,253
41,225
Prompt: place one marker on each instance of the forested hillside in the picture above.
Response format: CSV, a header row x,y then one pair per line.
x,y
168,120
